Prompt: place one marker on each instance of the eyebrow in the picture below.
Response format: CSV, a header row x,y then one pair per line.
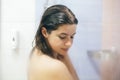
x,y
63,34
66,34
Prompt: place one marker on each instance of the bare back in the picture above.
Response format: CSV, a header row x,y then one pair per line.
x,y
43,67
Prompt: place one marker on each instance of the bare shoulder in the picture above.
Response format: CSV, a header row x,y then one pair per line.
x,y
46,68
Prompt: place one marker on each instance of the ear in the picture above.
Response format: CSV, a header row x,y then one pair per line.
x,y
44,32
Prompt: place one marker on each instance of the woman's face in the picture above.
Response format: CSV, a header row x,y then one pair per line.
x,y
61,39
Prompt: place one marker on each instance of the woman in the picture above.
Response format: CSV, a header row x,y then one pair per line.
x,y
49,59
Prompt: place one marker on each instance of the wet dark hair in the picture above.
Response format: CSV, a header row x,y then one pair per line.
x,y
52,18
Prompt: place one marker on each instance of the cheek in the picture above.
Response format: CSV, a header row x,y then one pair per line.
x,y
55,42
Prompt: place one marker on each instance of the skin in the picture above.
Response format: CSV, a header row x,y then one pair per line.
x,y
43,67
61,39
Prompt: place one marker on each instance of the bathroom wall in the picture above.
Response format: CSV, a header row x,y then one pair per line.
x,y
16,15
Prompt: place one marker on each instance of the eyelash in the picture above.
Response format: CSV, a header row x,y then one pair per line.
x,y
65,37
62,37
72,37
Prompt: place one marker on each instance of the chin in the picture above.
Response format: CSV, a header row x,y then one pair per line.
x,y
64,53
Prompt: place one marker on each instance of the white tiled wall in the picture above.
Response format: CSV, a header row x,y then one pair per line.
x,y
19,15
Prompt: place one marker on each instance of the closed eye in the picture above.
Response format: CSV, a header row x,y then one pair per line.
x,y
72,37
62,37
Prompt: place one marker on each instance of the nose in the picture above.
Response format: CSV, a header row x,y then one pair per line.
x,y
68,43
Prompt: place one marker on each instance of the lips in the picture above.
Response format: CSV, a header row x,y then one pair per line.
x,y
65,49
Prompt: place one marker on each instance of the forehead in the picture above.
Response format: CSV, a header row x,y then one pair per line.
x,y
67,28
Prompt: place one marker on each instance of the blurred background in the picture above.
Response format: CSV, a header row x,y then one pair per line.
x,y
98,30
